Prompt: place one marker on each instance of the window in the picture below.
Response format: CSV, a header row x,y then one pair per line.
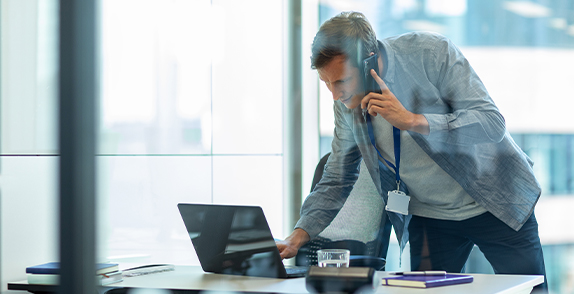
x,y
191,112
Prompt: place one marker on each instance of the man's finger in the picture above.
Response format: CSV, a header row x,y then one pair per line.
x,y
365,100
379,81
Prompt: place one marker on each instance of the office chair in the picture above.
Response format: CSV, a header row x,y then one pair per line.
x,y
369,254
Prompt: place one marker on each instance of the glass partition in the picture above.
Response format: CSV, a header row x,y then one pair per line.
x,y
28,136
191,112
523,52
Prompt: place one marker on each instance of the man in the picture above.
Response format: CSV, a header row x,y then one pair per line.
x,y
435,123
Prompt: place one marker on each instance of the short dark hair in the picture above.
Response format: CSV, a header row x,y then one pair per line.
x,y
348,34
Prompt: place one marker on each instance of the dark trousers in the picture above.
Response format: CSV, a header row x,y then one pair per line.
x,y
446,245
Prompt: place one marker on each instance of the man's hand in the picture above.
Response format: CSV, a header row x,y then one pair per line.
x,y
391,109
288,248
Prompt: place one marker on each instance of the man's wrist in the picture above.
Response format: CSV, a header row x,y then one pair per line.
x,y
298,237
420,124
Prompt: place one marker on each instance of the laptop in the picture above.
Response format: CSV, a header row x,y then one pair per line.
x,y
236,240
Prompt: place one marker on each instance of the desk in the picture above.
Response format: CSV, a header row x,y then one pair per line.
x,y
193,279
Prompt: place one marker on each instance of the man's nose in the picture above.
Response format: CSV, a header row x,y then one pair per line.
x,y
337,94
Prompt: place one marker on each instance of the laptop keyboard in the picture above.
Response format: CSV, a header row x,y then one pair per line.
x,y
296,271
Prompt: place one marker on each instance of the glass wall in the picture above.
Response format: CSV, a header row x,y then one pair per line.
x,y
191,112
28,141
523,52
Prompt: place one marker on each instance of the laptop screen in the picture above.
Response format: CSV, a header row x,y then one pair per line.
x,y
232,239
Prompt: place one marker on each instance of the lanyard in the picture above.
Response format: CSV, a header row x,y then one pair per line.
x,y
397,145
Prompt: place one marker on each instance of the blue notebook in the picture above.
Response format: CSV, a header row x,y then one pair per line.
x,y
54,268
422,281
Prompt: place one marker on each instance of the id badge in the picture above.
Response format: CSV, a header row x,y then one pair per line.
x,y
398,202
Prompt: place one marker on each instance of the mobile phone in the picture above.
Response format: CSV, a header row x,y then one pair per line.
x,y
369,83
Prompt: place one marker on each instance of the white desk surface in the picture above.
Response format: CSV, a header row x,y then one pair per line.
x,y
192,277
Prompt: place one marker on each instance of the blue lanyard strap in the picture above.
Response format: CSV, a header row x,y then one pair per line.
x,y
397,145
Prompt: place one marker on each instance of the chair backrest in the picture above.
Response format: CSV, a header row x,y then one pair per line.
x,y
366,253
319,170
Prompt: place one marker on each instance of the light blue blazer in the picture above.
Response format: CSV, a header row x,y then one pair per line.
x,y
468,138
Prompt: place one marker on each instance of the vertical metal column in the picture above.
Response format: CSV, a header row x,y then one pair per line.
x,y
77,142
293,114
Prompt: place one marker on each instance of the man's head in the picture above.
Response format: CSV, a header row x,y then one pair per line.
x,y
348,34
337,51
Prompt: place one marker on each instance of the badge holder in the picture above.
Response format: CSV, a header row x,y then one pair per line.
x,y
398,202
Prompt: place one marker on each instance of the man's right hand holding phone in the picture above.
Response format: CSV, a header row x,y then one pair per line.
x,y
392,110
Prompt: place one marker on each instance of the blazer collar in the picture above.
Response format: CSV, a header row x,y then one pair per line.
x,y
388,65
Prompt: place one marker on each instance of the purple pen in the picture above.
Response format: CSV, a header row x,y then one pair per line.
x,y
421,273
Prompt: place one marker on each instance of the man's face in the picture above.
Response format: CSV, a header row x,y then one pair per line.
x,y
343,80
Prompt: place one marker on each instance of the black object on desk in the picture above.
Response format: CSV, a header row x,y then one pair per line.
x,y
235,240
339,280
